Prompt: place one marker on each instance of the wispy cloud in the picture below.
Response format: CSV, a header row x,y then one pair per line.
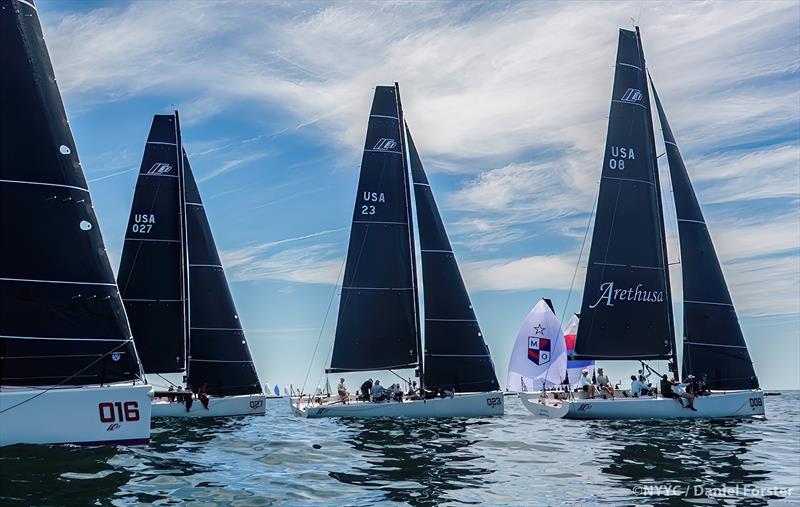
x,y
230,165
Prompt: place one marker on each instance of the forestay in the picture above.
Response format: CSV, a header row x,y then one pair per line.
x,y
377,325
61,318
626,308
713,343
456,356
151,275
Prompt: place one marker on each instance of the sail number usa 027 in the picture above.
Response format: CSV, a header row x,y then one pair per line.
x,y
371,197
143,223
619,154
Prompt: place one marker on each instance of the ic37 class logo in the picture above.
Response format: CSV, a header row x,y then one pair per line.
x,y
160,168
632,95
539,347
385,144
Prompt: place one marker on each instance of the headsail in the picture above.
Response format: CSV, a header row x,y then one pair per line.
x,y
539,356
377,326
456,356
626,311
713,343
151,269
61,318
218,352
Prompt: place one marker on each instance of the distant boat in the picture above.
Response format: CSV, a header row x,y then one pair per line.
x,y
378,325
175,291
575,366
626,312
69,372
539,356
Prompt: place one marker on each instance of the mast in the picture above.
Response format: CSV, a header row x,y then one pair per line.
x,y
413,250
62,322
184,265
662,226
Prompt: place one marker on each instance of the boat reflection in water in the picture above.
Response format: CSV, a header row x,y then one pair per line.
x,y
416,462
664,463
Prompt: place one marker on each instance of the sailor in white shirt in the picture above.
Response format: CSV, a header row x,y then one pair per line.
x,y
585,383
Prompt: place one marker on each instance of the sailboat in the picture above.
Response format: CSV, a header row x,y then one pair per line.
x,y
175,292
539,356
69,372
626,313
378,326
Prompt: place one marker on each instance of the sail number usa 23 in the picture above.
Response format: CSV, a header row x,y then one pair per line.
x,y
372,198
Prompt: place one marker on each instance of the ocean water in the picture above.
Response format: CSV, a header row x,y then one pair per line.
x,y
281,459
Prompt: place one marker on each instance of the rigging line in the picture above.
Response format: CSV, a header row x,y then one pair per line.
x,y
167,380
65,380
580,253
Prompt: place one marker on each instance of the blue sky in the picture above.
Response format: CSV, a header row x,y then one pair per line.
x,y
508,103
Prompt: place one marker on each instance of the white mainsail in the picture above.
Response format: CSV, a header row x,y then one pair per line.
x,y
539,356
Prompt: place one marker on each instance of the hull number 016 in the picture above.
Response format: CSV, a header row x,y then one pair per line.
x,y
118,411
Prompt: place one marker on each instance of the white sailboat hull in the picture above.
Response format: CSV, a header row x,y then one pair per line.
x,y
88,415
717,405
246,404
461,405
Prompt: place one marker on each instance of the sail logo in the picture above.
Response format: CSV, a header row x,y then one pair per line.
x,y
160,168
539,350
611,295
632,95
385,144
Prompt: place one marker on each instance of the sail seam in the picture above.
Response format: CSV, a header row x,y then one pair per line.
x,y
194,203
628,179
205,266
377,288
73,187
158,175
691,221
384,151
216,329
65,282
436,251
715,345
162,142
143,300
423,184
630,104
630,65
154,240
452,320
457,355
670,142
383,116
706,303
13,337
610,264
371,222
219,360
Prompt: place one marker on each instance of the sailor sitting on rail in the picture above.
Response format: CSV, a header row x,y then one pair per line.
x,y
585,383
638,388
604,382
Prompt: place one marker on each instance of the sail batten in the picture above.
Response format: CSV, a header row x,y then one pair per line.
x,y
62,321
376,326
625,313
714,345
456,356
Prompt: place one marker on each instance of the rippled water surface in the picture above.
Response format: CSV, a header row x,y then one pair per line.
x,y
280,459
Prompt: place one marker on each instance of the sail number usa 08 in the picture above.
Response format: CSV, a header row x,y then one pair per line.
x,y
371,197
619,154
143,223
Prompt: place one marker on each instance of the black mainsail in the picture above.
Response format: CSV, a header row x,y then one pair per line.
x,y
171,276
713,343
626,311
62,321
151,272
377,327
456,356
218,353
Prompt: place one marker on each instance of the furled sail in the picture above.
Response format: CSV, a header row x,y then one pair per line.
x,y
626,311
151,269
218,353
62,321
539,356
713,343
377,326
456,356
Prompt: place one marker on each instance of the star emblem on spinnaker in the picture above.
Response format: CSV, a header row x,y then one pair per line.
x,y
538,329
